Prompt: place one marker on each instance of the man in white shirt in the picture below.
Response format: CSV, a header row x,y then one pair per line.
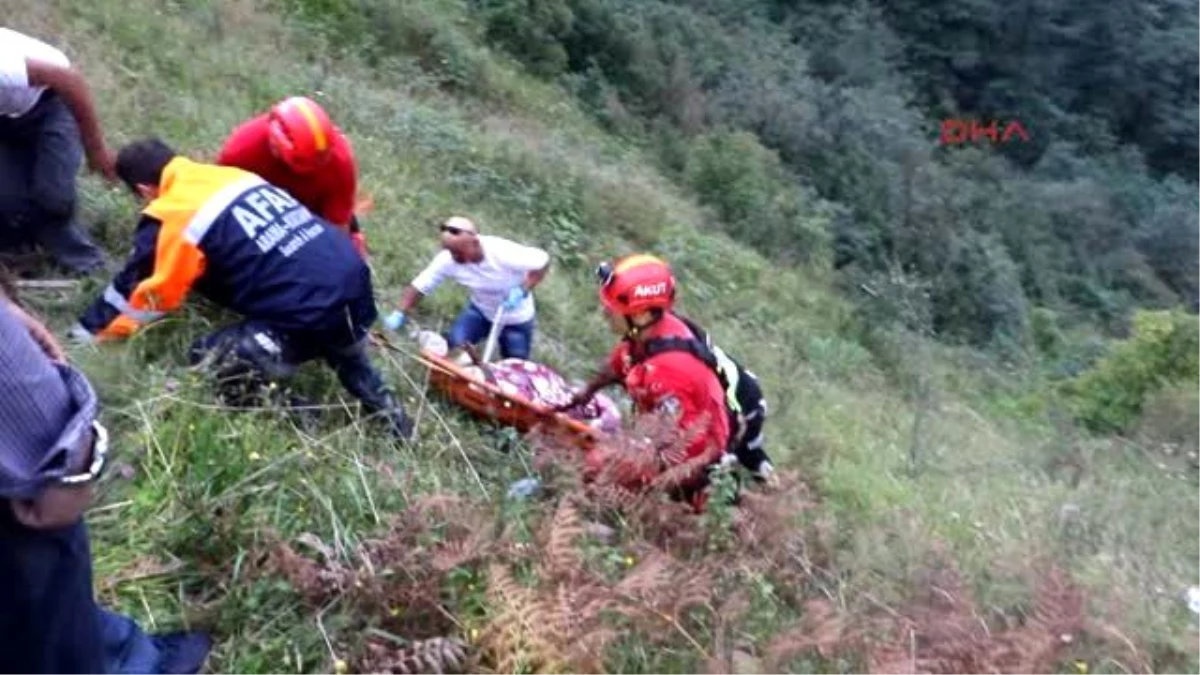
x,y
48,122
500,276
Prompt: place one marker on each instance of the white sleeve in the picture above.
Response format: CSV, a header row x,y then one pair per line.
x,y
518,257
434,274
13,72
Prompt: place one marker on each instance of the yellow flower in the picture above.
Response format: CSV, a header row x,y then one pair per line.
x,y
254,456
629,561
394,611
474,633
1082,667
341,667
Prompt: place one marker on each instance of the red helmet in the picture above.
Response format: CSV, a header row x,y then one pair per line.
x,y
636,284
301,133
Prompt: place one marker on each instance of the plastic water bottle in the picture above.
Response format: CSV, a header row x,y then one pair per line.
x,y
523,488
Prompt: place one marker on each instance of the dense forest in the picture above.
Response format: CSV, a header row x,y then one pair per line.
x,y
785,114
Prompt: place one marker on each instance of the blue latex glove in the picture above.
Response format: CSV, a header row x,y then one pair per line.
x,y
515,296
394,321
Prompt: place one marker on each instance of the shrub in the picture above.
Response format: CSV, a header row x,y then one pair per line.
x,y
758,200
1171,417
1162,350
530,30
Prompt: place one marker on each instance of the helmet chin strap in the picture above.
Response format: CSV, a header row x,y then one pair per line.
x,y
634,330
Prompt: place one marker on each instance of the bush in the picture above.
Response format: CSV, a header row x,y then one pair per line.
x,y
1171,417
1161,351
384,30
530,30
755,196
1043,327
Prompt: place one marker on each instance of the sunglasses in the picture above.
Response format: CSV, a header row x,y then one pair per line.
x,y
452,230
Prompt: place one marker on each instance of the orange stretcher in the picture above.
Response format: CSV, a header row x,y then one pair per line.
x,y
487,401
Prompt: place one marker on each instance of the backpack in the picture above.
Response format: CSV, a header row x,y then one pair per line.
x,y
743,395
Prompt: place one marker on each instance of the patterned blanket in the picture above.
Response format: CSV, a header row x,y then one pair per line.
x,y
534,382
540,384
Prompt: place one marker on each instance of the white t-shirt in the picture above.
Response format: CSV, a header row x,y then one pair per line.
x,y
16,96
503,267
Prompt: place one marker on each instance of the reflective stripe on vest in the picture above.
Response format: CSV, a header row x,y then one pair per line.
x,y
728,372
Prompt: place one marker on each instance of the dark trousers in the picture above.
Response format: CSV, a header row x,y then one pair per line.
x,y
749,446
253,352
49,620
40,156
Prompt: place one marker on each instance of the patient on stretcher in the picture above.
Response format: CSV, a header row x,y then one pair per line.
x,y
534,382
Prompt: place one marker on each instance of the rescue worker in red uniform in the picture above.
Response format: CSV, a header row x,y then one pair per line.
x,y
295,146
638,295
249,246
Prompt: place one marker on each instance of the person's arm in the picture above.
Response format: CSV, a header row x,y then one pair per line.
x,y
605,376
37,330
155,280
534,277
429,279
357,237
533,261
694,446
75,92
409,298
46,412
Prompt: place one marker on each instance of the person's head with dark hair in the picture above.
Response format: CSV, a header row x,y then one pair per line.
x,y
140,165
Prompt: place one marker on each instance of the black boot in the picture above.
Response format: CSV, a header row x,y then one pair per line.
x,y
361,379
398,421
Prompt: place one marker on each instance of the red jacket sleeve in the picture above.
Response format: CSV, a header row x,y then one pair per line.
x,y
617,358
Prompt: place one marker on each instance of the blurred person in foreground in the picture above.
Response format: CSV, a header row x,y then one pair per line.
x,y
52,451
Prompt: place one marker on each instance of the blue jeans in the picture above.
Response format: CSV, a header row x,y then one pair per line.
x,y
516,341
49,620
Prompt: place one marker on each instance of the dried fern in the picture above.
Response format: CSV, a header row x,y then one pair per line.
x,y
436,655
562,560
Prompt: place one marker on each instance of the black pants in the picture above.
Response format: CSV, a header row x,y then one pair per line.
x,y
40,156
253,352
749,444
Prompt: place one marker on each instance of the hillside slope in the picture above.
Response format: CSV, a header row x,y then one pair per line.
x,y
919,462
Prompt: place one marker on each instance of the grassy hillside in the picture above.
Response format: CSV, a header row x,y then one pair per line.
x,y
934,496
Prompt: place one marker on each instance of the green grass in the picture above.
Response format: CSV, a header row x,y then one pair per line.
x,y
180,541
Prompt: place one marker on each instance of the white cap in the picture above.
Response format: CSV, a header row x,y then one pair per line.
x,y
461,223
